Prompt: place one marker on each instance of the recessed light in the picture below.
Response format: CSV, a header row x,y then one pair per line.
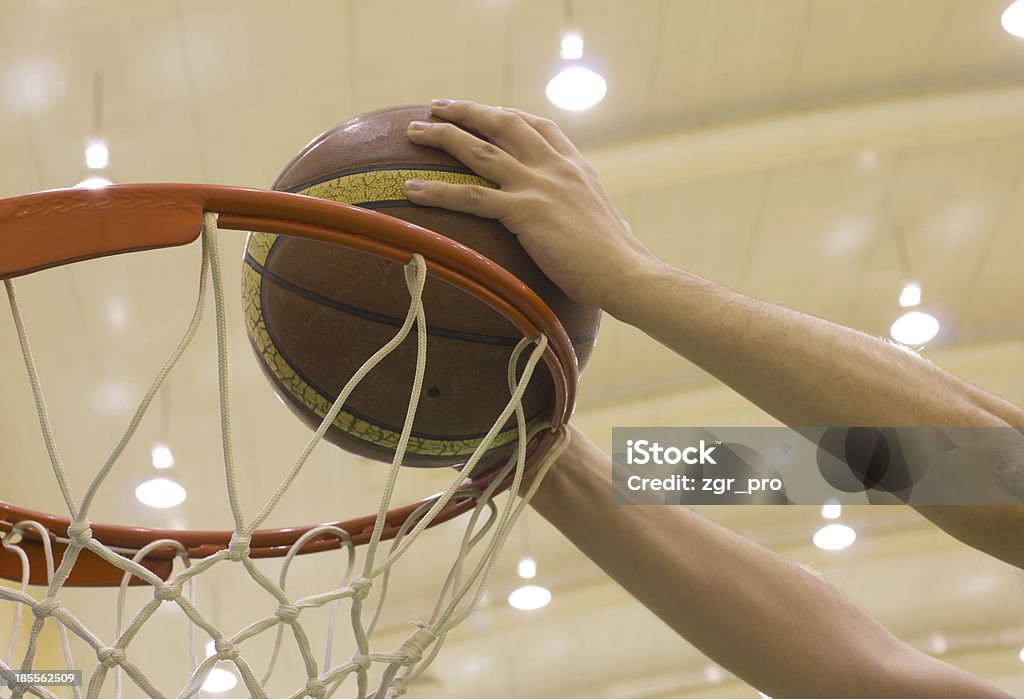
x,y
97,155
576,88
162,456
914,328
530,597
833,537
527,568
160,493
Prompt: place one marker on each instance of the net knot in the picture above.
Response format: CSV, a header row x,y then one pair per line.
x,y
111,657
80,533
363,662
239,547
315,688
225,649
165,592
399,686
412,649
288,613
46,608
361,588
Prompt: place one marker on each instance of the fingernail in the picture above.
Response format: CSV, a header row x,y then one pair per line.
x,y
440,103
415,185
418,125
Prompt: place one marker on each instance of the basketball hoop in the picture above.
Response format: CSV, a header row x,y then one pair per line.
x,y
49,229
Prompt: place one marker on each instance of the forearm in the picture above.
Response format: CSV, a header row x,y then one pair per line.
x,y
802,370
764,618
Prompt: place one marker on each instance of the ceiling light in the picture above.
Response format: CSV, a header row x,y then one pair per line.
x,y
576,88
162,456
97,155
530,597
160,493
914,328
93,183
1021,656
219,681
910,295
1013,19
572,47
831,510
939,644
714,674
833,537
527,568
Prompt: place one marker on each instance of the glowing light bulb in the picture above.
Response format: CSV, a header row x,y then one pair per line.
x,y
162,456
1013,19
219,681
910,295
914,328
834,537
160,493
97,155
572,46
530,597
576,88
527,568
831,510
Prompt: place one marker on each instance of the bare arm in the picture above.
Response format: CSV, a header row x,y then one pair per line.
x,y
803,370
769,621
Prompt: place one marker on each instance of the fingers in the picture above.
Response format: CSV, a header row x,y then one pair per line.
x,y
467,198
505,127
550,131
483,158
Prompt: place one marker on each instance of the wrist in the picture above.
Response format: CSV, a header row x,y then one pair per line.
x,y
633,286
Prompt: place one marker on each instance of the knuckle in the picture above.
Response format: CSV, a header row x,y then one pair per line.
x,y
474,196
508,119
484,151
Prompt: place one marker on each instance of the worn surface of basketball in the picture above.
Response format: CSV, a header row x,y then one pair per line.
x,y
316,312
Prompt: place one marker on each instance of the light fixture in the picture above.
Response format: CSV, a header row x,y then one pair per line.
x,y
576,88
1021,655
162,456
833,537
93,183
219,681
97,155
160,493
572,47
1013,19
714,674
939,643
914,328
527,568
530,597
910,296
831,510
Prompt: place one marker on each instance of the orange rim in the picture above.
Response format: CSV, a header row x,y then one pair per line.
x,y
81,224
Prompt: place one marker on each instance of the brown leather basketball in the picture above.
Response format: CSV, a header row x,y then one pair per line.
x,y
316,312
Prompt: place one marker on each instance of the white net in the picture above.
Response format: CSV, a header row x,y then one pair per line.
x,y
277,614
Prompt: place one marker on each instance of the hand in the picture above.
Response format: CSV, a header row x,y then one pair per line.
x,y
548,195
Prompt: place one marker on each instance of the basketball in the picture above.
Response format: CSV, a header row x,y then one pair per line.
x,y
315,312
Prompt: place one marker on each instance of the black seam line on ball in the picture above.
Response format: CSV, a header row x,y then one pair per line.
x,y
362,416
377,168
386,319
